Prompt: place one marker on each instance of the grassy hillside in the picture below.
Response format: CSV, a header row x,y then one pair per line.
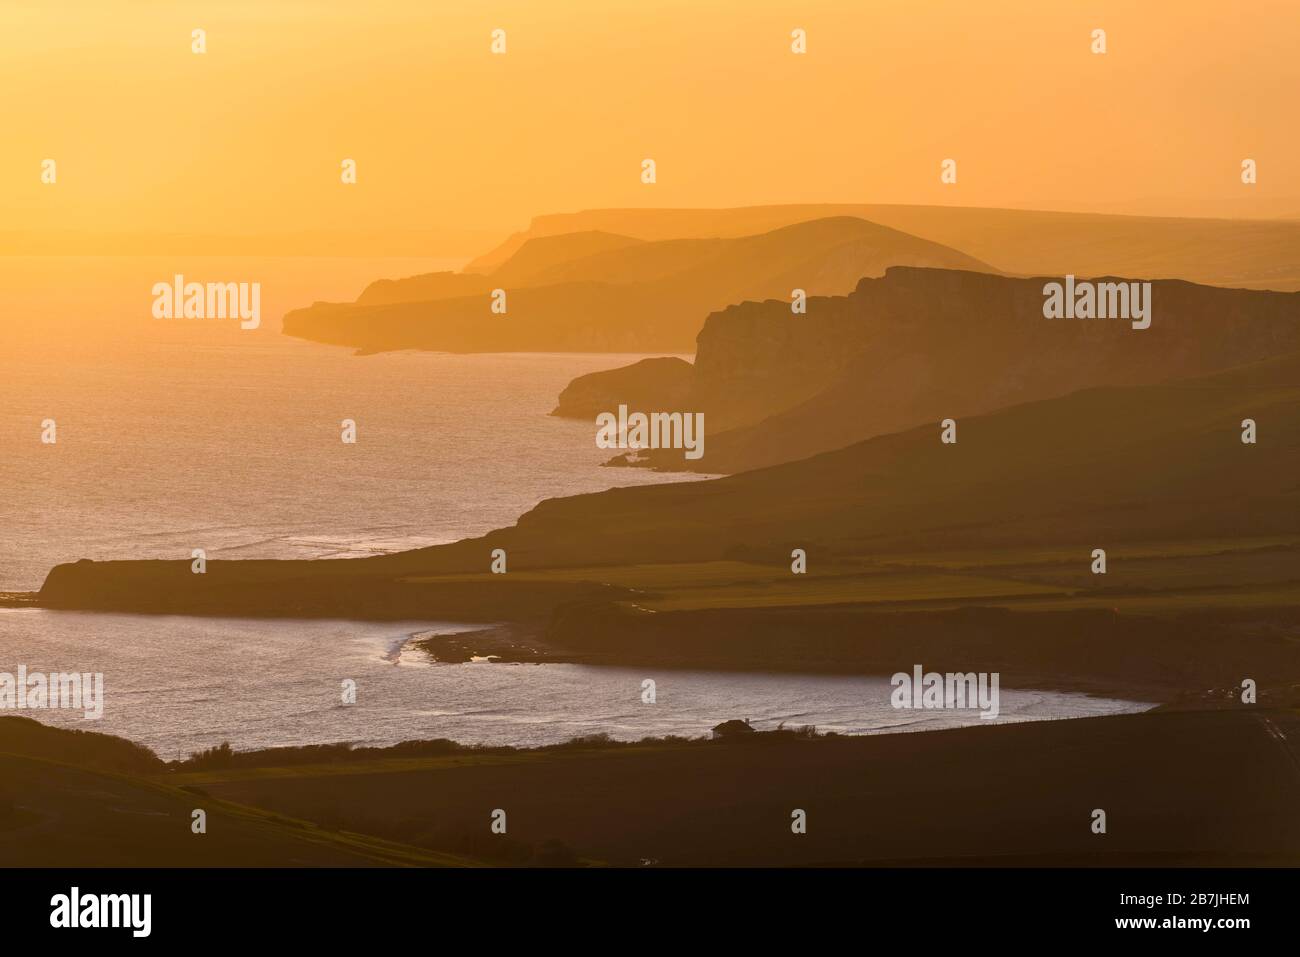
x,y
80,805
1131,463
1178,788
1207,787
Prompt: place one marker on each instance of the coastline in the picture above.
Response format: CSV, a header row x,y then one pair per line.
x,y
1184,660
527,643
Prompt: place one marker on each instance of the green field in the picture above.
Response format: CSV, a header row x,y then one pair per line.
x,y
1144,577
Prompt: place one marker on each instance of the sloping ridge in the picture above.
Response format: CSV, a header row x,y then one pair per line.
x,y
539,258
599,292
1258,254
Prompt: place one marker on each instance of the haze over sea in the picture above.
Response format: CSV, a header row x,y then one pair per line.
x,y
182,434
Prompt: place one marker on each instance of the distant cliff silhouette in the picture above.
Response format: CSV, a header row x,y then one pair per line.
x,y
598,292
920,345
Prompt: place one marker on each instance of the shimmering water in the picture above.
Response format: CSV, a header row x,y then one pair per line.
x,y
181,684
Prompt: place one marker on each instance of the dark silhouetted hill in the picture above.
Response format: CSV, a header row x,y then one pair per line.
x,y
649,384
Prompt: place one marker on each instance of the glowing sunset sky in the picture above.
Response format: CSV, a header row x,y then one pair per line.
x,y
456,146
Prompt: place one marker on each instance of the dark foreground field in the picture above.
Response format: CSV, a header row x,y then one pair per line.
x,y
1207,787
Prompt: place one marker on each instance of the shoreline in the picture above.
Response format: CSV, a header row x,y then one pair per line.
x,y
349,752
905,721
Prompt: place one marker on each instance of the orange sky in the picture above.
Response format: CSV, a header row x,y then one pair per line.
x,y
238,150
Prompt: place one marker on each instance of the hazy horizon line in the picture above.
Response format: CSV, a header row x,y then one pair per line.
x,y
423,242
